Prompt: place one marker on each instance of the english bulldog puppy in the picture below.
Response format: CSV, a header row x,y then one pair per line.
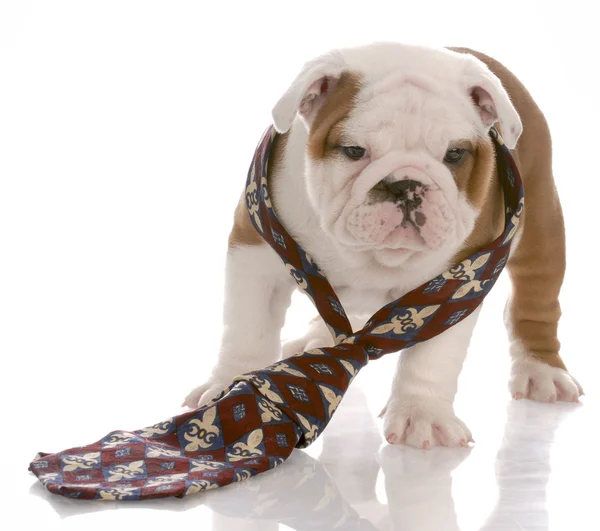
x,y
385,173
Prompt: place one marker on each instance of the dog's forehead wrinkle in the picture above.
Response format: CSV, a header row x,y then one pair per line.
x,y
391,58
408,118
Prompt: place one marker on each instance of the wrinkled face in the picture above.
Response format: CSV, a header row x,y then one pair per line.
x,y
398,161
396,168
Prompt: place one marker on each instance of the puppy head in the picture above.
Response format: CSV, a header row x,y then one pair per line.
x,y
398,155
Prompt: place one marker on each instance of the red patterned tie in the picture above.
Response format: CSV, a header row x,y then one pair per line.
x,y
255,423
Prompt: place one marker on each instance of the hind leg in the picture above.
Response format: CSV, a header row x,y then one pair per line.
x,y
537,268
532,313
316,336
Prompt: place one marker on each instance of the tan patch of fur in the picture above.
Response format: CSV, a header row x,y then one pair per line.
x,y
325,133
476,178
537,262
243,232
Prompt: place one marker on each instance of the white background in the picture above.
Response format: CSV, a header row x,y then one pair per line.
x,y
126,130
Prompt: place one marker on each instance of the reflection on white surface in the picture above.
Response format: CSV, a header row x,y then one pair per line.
x,y
339,489
523,466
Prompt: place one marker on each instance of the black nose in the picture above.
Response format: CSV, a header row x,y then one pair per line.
x,y
405,190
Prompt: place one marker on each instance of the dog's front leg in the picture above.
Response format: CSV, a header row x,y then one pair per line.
x,y
258,289
420,409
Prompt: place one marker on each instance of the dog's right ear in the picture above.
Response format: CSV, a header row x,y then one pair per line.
x,y
492,101
309,91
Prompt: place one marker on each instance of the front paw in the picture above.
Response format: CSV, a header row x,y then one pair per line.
x,y
532,378
423,422
204,393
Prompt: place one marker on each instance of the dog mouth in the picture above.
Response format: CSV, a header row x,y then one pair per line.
x,y
414,218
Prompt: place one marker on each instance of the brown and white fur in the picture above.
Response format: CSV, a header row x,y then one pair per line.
x,y
406,106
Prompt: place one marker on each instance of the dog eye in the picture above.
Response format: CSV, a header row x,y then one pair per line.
x,y
454,155
354,152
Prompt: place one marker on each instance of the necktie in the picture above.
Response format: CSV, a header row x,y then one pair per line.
x,y
254,424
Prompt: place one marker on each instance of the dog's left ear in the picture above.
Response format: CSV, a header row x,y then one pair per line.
x,y
308,92
493,102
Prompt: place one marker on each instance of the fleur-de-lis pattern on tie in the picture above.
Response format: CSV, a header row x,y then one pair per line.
x,y
255,423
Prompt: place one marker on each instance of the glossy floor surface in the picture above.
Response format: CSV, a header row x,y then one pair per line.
x,y
531,468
